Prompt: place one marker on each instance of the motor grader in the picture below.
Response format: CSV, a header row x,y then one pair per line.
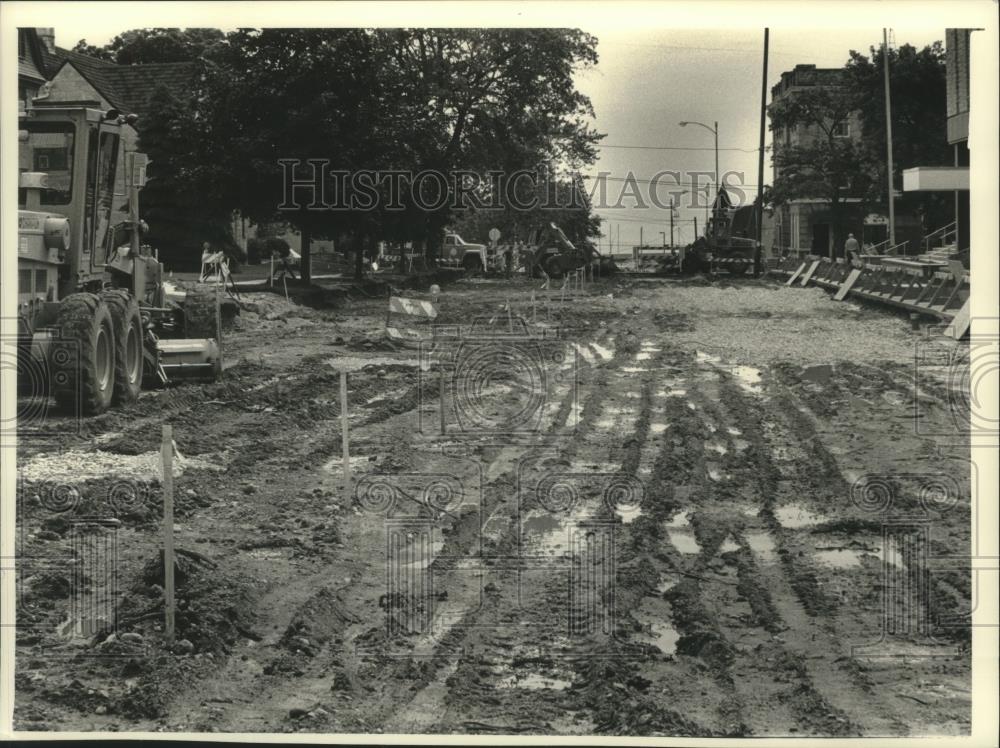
x,y
93,313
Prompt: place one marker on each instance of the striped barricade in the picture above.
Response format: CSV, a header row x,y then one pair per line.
x,y
411,310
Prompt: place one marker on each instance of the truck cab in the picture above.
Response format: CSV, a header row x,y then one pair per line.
x,y
460,253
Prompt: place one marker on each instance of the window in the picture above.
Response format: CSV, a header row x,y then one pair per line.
x,y
50,150
842,130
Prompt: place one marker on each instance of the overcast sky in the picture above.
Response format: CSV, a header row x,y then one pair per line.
x,y
648,80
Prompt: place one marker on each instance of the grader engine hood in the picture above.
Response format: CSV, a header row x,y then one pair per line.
x,y
42,236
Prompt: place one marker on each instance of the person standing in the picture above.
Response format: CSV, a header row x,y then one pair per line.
x,y
851,248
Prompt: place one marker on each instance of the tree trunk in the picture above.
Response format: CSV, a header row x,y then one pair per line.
x,y
306,252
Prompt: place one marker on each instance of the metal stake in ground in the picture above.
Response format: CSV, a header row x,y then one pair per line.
x,y
167,455
218,326
344,432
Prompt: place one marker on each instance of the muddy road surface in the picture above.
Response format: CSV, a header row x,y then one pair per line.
x,y
703,508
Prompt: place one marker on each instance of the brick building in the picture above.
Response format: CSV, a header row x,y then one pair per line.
x,y
805,225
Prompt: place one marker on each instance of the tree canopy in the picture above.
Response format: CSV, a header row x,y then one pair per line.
x,y
451,101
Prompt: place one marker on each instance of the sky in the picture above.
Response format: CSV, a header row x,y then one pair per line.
x,y
649,79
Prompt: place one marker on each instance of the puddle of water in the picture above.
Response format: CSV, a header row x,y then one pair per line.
x,y
584,353
547,535
729,545
794,516
706,358
675,392
606,354
714,473
747,376
733,431
589,466
840,558
716,447
740,444
666,584
355,363
679,520
657,632
692,406
534,682
633,369
762,544
684,541
630,514
359,464
658,428
643,356
633,395
430,555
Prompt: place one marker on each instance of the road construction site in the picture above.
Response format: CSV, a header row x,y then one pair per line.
x,y
710,518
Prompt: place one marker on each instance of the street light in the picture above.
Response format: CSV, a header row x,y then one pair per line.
x,y
715,132
673,210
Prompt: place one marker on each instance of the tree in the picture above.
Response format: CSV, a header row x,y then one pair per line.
x,y
819,163
391,99
919,122
562,201
174,202
101,53
144,46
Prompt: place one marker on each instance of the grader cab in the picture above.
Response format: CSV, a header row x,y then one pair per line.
x,y
92,311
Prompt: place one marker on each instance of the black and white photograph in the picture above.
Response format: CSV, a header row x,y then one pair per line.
x,y
541,370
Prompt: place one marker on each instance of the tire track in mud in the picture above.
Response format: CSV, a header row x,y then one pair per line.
x,y
788,587
512,668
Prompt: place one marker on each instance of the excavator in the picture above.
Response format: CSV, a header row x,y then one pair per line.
x,y
95,321
552,251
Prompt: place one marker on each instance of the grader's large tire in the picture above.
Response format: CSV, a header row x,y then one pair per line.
x,y
201,318
128,344
83,355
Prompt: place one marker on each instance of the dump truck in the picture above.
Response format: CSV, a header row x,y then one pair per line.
x,y
95,323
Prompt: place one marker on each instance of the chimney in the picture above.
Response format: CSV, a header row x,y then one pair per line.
x,y
48,37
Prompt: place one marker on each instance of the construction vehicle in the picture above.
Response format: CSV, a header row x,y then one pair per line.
x,y
550,250
93,314
475,258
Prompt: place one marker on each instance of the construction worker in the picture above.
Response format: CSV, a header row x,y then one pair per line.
x,y
851,248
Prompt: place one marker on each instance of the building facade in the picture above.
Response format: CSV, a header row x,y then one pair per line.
x,y
807,225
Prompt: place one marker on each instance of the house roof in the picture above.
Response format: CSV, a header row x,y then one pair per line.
x,y
130,87
30,62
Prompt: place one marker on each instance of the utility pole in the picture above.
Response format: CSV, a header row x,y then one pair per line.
x,y
671,221
718,184
640,236
888,138
760,161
